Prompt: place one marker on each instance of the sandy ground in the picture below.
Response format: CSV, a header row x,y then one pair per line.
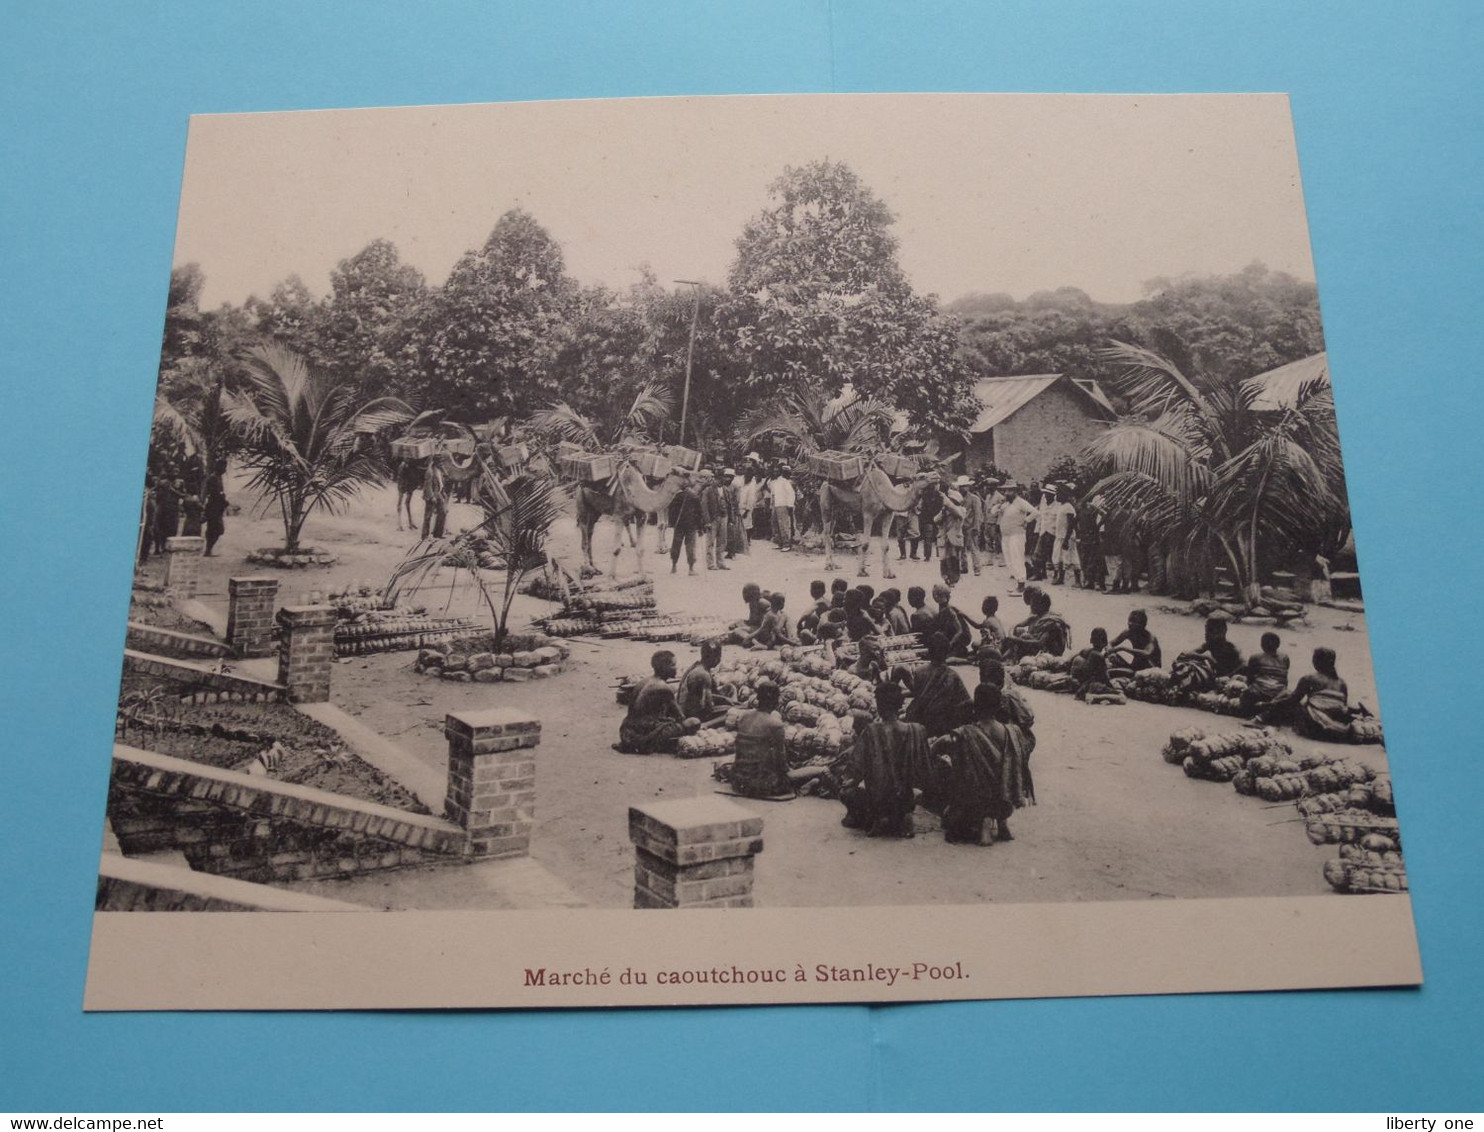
x,y
1114,821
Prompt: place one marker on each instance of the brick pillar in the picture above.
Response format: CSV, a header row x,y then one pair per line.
x,y
306,649
250,615
182,563
492,778
694,853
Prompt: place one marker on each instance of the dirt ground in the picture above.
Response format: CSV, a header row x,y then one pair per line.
x,y
1114,821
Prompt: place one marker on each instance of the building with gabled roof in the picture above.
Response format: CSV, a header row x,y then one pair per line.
x,y
1279,388
1028,423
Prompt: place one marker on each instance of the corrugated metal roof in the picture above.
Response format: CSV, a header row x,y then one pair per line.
x,y
1002,397
1279,387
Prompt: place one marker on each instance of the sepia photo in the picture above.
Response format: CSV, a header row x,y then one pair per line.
x,y
719,550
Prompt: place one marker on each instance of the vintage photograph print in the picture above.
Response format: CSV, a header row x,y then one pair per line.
x,y
724,550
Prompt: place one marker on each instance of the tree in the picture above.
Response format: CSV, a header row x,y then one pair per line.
x,y
806,421
490,335
817,300
1194,467
512,534
639,423
292,316
362,337
303,434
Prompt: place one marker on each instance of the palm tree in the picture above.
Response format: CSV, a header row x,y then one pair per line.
x,y
513,536
1193,466
302,433
809,421
652,405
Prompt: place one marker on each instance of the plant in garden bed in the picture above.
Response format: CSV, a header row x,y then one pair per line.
x,y
512,536
304,435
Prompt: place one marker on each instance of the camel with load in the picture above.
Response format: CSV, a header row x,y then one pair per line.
x,y
629,501
877,500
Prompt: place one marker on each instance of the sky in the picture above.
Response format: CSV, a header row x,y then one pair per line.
x,y
1013,193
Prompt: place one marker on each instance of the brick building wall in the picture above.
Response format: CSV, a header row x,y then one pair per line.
x,y
1060,422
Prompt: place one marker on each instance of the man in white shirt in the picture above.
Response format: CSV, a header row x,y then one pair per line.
x,y
784,497
1014,515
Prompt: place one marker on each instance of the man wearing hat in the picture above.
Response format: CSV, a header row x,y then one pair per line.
x,y
1015,514
973,519
781,489
714,520
1045,532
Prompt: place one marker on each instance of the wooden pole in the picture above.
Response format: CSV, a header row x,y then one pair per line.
x,y
690,353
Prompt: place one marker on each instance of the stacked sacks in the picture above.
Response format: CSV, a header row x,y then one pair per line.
x,y
1221,758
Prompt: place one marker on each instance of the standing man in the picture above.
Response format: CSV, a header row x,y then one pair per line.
x,y
168,491
689,519
1064,531
927,517
216,508
714,513
784,499
973,520
435,500
1045,547
1015,516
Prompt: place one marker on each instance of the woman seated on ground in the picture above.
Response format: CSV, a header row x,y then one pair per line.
x,y
989,773
940,702
948,621
761,768
1090,672
1199,669
890,757
698,696
1267,675
757,609
1318,706
654,722
1136,648
1041,632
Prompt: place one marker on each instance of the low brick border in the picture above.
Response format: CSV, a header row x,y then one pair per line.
x,y
192,643
126,885
213,686
165,776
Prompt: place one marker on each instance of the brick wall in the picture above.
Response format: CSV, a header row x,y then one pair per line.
x,y
210,686
183,563
250,615
153,635
145,886
694,853
1060,422
306,650
260,830
492,778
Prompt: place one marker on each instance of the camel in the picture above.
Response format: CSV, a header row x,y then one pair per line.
x,y
879,501
629,500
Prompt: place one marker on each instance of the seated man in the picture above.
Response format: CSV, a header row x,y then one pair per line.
x,y
654,721
809,622
950,623
757,609
698,696
1090,672
1041,632
774,631
921,618
1136,648
1199,669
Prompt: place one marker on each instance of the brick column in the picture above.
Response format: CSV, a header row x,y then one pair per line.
x,y
492,778
306,649
250,615
694,853
182,563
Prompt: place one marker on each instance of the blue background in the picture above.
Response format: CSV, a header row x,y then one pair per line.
x,y
93,108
